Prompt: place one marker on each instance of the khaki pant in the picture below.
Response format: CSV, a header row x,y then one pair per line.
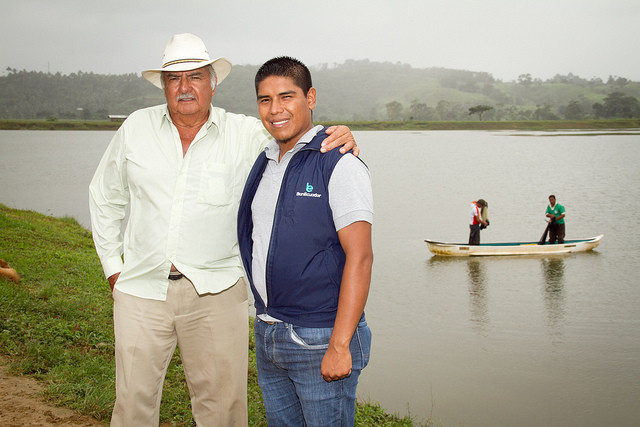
x,y
212,333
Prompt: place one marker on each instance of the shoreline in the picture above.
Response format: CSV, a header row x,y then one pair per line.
x,y
530,125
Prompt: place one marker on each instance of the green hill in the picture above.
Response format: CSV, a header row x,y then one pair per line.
x,y
352,91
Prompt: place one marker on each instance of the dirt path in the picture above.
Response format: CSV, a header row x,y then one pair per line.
x,y
21,405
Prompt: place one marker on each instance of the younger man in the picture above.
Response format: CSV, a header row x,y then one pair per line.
x,y
304,231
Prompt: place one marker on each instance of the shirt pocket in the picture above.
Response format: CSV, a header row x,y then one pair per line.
x,y
216,184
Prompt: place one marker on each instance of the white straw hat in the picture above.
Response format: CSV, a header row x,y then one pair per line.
x,y
186,52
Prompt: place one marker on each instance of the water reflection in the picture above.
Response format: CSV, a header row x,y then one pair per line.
x,y
554,295
478,294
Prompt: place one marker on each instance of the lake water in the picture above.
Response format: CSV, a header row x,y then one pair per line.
x,y
517,341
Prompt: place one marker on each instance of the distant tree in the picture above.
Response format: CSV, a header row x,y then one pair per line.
x,y
443,108
480,110
618,104
525,79
617,81
598,110
418,110
574,111
394,110
544,113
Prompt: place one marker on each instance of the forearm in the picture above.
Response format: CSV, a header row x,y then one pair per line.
x,y
107,206
354,291
337,362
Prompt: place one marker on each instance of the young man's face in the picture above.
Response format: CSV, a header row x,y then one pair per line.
x,y
284,109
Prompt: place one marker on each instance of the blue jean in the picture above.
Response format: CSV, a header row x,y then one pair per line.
x,y
288,358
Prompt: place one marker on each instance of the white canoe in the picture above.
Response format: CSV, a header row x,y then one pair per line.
x,y
514,248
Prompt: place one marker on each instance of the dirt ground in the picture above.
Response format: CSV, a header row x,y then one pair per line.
x,y
22,405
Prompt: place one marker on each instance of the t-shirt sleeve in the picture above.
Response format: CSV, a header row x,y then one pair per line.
x,y
350,192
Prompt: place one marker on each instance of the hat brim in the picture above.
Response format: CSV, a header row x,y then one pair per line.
x,y
221,66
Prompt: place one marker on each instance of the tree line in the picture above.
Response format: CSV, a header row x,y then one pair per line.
x,y
351,91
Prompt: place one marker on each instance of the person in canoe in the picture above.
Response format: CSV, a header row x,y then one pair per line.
x,y
478,220
555,212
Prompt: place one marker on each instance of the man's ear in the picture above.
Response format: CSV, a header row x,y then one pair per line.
x,y
311,98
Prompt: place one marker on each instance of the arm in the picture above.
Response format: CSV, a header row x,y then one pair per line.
x,y
483,222
340,136
354,290
478,217
549,214
108,197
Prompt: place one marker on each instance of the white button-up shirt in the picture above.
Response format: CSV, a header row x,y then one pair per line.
x,y
182,209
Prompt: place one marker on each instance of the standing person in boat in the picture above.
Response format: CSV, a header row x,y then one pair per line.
x,y
476,221
305,241
555,212
176,275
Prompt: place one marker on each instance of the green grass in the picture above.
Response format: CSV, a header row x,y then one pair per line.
x,y
56,325
58,125
531,125
534,125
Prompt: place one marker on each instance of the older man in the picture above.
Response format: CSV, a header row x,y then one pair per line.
x,y
176,275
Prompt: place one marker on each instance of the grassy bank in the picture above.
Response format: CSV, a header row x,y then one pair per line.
x,y
56,324
531,125
58,125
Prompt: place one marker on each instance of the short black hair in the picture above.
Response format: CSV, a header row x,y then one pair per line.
x,y
286,66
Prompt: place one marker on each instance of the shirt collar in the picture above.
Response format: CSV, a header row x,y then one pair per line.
x,y
213,118
272,149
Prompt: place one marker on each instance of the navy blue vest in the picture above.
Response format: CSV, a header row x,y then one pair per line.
x,y
305,260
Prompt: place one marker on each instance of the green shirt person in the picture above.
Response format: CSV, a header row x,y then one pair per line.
x,y
556,213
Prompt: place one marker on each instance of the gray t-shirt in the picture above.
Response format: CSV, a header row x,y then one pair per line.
x,y
350,199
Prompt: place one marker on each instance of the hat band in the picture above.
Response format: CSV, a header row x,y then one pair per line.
x,y
181,61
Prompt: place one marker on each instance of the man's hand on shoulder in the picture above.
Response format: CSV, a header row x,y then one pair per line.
x,y
340,136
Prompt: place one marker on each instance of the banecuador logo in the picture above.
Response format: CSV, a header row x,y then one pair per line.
x,y
308,192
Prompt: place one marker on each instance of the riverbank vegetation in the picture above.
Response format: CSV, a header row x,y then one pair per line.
x,y
354,91
56,324
527,125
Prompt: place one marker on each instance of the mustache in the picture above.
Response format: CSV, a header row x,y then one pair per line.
x,y
185,96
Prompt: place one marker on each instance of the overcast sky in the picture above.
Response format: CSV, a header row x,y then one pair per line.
x,y
506,38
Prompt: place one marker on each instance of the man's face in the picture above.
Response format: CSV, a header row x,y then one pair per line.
x,y
552,201
188,93
284,109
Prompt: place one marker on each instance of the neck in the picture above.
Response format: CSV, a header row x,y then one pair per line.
x,y
189,121
287,145
188,127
